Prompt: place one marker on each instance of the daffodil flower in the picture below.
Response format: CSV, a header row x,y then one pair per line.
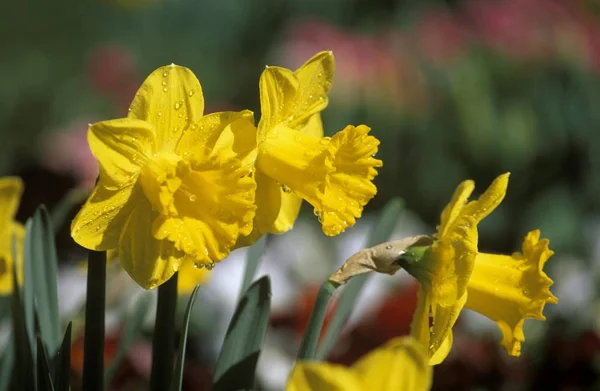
x,y
399,365
11,189
453,274
167,191
295,162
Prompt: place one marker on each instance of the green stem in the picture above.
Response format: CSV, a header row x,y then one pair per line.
x,y
93,342
163,342
310,341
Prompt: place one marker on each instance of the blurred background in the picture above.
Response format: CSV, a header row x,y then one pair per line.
x,y
454,89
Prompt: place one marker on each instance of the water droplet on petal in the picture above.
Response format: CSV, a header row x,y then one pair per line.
x,y
210,266
286,189
192,197
178,105
198,265
165,89
191,93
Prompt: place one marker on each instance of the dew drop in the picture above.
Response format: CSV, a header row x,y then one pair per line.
x,y
165,74
191,93
388,247
192,197
178,105
210,266
165,89
286,189
159,114
198,265
97,228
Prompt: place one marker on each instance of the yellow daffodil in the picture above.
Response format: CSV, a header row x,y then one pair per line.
x,y
399,365
188,274
453,274
11,189
167,193
294,161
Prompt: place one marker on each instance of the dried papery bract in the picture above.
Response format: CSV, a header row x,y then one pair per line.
x,y
382,258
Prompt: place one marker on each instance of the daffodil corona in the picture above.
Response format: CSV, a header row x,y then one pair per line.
x,y
399,365
11,189
295,162
168,192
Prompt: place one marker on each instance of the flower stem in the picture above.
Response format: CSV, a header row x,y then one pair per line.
x,y
310,341
93,342
163,342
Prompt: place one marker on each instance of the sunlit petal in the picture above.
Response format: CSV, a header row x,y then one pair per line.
x,y
171,100
7,260
98,224
313,376
291,98
190,276
150,262
400,364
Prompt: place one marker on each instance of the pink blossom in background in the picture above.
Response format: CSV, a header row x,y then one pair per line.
x,y
362,61
67,152
441,36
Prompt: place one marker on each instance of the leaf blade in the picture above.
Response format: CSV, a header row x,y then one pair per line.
x,y
239,355
178,376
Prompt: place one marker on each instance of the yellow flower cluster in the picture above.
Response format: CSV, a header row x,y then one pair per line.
x,y
11,189
178,188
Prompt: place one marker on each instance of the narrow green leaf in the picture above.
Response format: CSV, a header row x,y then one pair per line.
x,y
44,377
7,362
253,258
29,282
23,374
163,341
62,363
236,365
308,348
132,329
44,268
384,226
178,383
93,339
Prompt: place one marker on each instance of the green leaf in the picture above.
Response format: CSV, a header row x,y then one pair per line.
x,y
41,267
253,257
62,363
237,361
384,226
178,383
7,362
44,377
93,338
308,348
132,329
23,375
29,282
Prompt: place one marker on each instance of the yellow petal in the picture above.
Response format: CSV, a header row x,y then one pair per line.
x,y
333,175
203,205
171,100
291,98
457,203
400,364
230,134
121,146
319,376
7,261
489,200
99,222
419,326
189,276
11,189
313,127
509,289
150,262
